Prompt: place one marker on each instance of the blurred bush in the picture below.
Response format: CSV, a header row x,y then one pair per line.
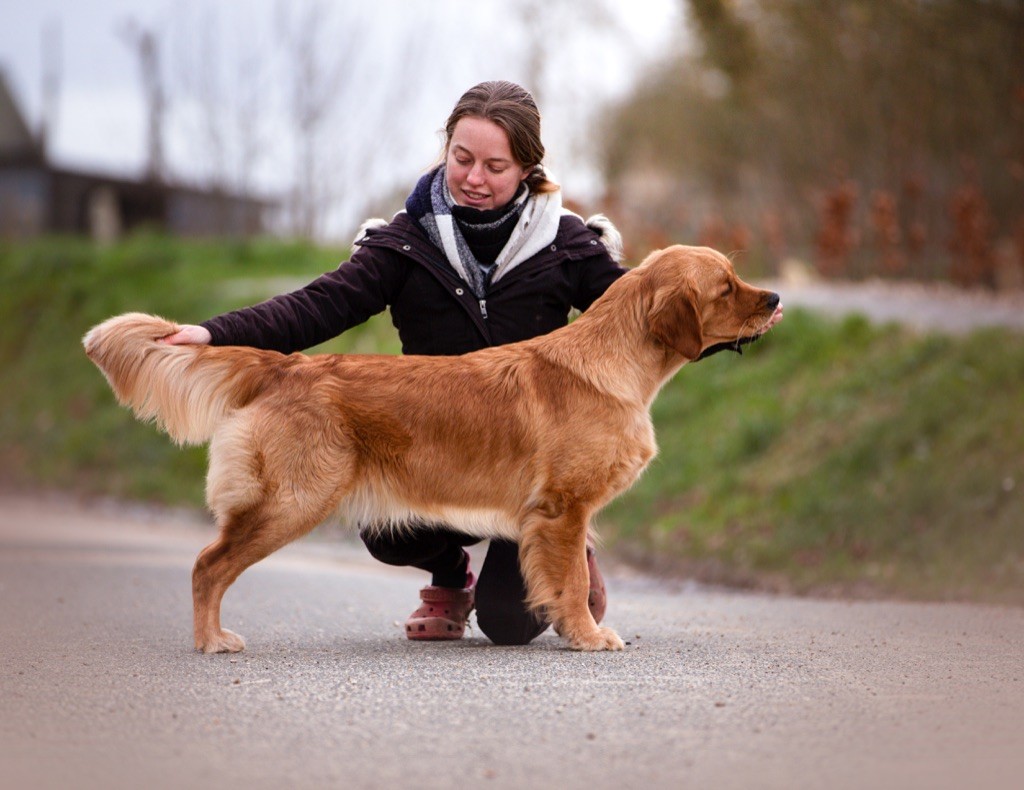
x,y
875,137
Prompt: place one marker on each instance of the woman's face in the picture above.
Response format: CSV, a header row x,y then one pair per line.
x,y
481,171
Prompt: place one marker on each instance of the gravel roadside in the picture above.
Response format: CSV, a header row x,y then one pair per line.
x,y
922,306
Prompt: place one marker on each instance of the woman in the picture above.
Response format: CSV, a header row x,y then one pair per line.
x,y
482,255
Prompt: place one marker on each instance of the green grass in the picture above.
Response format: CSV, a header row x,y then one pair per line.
x,y
829,457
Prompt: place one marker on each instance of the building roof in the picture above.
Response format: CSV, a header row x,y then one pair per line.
x,y
18,146
16,139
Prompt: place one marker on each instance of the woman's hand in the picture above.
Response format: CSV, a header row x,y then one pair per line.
x,y
188,335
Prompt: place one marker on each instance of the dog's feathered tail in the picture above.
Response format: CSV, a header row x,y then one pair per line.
x,y
186,389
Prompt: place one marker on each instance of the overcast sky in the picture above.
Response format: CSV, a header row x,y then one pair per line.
x,y
435,49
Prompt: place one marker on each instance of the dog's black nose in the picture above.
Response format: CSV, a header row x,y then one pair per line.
x,y
772,301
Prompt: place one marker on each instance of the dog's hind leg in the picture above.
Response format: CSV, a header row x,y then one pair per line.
x,y
553,558
259,508
245,539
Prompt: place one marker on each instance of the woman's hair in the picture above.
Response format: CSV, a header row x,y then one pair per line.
x,y
512,108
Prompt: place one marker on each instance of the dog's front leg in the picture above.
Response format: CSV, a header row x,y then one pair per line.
x,y
553,558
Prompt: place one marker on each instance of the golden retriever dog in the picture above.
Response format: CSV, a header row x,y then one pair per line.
x,y
525,441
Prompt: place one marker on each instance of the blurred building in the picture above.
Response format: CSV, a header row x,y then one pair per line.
x,y
38,196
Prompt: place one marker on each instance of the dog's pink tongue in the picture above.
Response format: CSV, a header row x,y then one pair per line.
x,y
776,317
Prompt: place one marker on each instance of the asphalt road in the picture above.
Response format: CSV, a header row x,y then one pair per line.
x,y
99,686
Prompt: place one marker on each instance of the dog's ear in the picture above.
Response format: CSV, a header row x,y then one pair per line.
x,y
673,320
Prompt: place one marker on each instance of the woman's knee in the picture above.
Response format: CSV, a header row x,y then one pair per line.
x,y
397,549
510,623
501,611
413,545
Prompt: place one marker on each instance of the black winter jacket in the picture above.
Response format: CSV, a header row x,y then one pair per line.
x,y
432,308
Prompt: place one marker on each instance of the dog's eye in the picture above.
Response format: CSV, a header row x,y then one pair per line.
x,y
727,291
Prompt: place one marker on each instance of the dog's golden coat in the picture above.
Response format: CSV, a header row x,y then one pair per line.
x,y
524,441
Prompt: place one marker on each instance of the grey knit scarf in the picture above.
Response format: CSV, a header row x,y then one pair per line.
x,y
535,229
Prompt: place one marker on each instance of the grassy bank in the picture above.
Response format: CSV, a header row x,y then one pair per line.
x,y
830,456
59,426
843,456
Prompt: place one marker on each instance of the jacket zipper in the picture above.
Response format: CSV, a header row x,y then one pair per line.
x,y
483,308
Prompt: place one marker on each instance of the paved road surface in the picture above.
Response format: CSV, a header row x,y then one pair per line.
x,y
99,687
923,306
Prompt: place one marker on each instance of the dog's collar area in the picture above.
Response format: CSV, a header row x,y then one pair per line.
x,y
732,345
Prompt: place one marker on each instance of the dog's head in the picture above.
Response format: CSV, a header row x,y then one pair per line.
x,y
698,306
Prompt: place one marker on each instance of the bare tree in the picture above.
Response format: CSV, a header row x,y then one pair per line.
x,y
223,107
249,114
333,65
331,100
52,73
146,46
313,83
204,101
555,32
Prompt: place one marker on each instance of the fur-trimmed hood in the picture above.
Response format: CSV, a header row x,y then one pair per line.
x,y
610,236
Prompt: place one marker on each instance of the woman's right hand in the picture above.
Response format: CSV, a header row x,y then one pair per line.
x,y
189,334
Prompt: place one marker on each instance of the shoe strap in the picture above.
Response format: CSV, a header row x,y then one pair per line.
x,y
432,594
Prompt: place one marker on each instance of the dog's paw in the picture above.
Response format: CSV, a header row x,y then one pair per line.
x,y
224,642
598,639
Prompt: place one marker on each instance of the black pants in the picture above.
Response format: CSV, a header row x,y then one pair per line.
x,y
500,589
